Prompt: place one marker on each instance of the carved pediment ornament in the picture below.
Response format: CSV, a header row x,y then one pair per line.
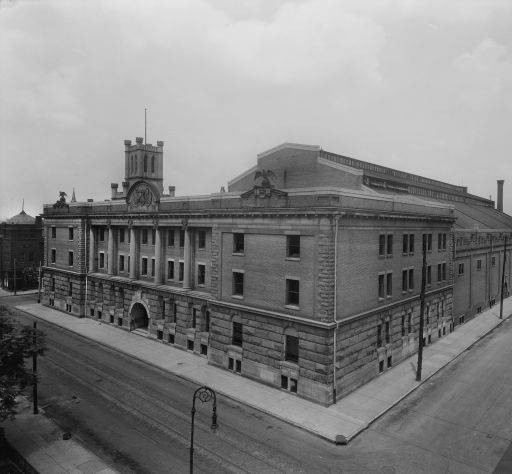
x,y
142,197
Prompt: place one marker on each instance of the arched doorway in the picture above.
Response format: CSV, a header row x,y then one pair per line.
x,y
139,317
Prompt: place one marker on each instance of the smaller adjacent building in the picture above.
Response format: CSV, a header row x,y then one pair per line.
x,y
21,251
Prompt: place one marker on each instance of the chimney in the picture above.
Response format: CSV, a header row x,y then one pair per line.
x,y
499,202
172,191
114,187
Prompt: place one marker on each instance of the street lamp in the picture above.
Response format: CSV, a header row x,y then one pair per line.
x,y
204,394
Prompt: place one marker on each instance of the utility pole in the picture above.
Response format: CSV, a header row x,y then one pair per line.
x,y
422,309
34,371
14,277
503,277
39,284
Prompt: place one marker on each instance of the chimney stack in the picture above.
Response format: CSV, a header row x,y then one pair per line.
x,y
172,191
499,203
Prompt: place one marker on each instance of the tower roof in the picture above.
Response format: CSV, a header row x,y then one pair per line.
x,y
21,219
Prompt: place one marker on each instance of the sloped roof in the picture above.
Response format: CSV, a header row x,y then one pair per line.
x,y
481,217
21,219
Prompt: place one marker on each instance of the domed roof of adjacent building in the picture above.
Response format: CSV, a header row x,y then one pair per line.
x,y
21,218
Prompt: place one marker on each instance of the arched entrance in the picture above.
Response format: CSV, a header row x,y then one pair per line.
x,y
138,317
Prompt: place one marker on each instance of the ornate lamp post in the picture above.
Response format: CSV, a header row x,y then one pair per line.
x,y
204,394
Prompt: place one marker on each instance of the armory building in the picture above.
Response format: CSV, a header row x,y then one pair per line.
x,y
304,275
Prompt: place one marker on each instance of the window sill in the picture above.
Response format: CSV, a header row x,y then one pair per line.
x,y
293,259
238,254
292,306
237,297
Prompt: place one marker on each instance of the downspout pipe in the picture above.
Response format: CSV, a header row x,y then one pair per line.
x,y
336,226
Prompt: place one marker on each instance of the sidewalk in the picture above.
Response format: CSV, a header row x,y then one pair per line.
x,y
39,441
338,423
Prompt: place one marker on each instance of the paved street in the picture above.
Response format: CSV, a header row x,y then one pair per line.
x,y
137,417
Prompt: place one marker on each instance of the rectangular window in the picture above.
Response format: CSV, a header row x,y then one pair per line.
x,y
52,284
403,325
405,243
102,234
121,235
204,349
201,239
238,334
181,271
389,244
190,344
54,232
170,270
493,261
411,279
152,267
144,236
405,279
429,242
439,272
238,243
194,317
292,292
388,336
292,349
461,269
379,335
102,260
444,271
293,246
128,269
153,236
429,274
381,286
71,232
70,258
170,238
409,323
238,284
238,366
201,274
411,243
389,284
70,289
439,241
144,266
382,245
182,238
444,241
54,255
479,264
121,263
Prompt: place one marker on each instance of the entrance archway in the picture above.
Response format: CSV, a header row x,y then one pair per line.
x,y
139,317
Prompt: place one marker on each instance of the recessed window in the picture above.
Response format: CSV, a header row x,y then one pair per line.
x,y
411,243
152,267
238,335
293,246
388,336
52,284
181,271
292,292
403,325
461,269
478,264
54,232
201,239
429,274
190,344
493,261
170,338
170,238
54,255
70,288
389,244
382,291
411,279
144,266
204,349
379,335
201,274
121,263
70,258
443,267
153,236
102,260
389,284
170,270
382,245
405,243
152,164
238,243
238,284
409,322
71,232
381,366
207,321
427,241
121,235
182,238
144,236
390,361
194,317
292,349
145,163
102,234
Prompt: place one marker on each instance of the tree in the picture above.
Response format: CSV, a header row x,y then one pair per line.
x,y
16,345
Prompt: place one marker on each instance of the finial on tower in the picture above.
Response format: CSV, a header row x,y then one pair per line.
x,y
73,198
145,124
23,205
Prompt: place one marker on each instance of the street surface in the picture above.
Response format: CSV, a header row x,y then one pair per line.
x,y
137,418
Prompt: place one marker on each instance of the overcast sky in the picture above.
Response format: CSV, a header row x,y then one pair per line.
x,y
423,86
